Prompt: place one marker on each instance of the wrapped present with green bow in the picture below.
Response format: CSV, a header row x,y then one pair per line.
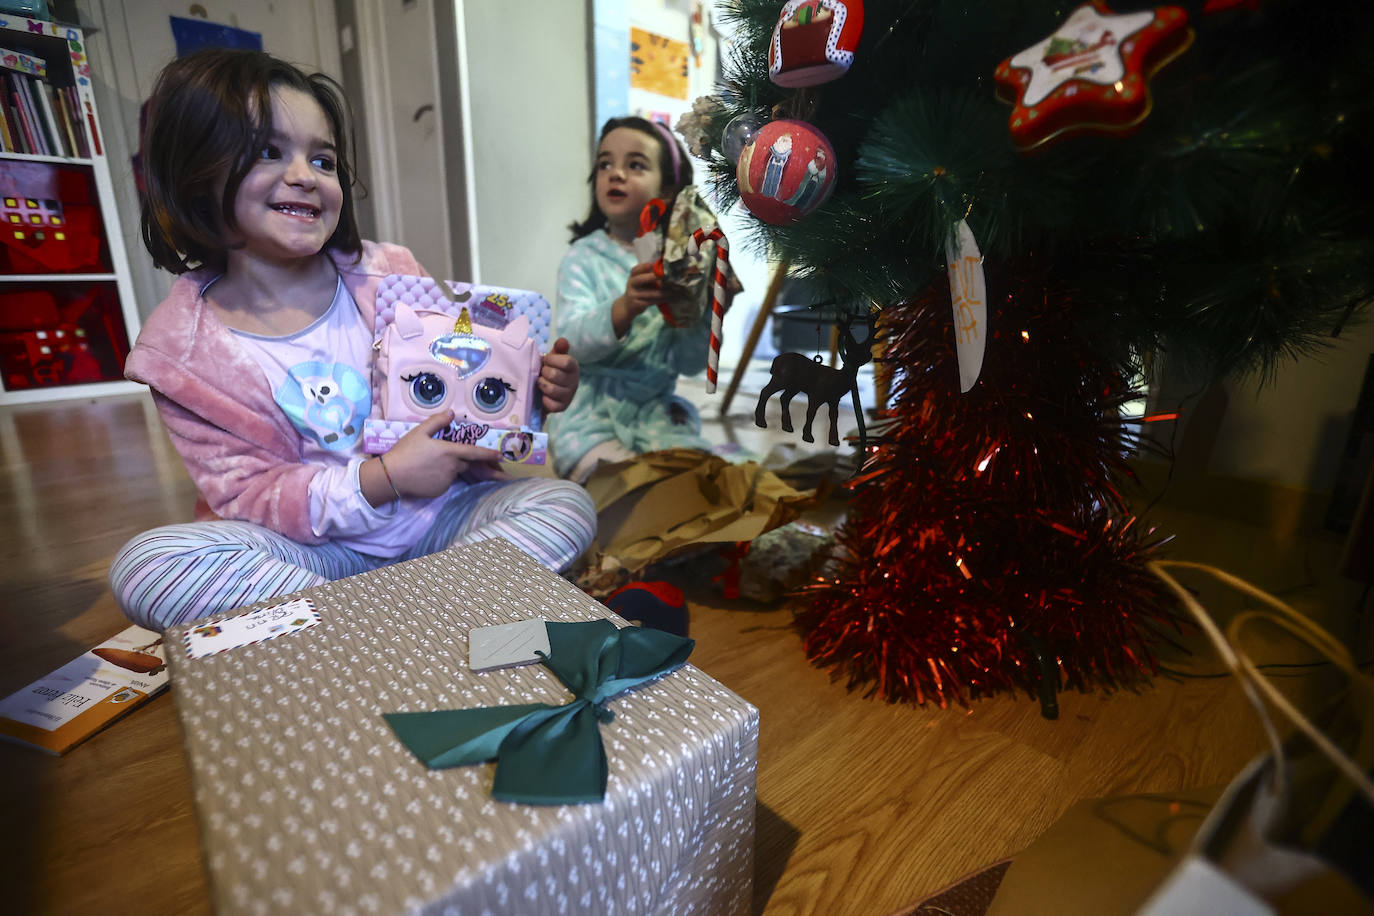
x,y
549,754
361,758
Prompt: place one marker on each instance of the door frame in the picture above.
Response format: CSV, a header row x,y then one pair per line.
x,y
448,51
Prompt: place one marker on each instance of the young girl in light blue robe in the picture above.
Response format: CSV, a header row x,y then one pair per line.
x,y
630,356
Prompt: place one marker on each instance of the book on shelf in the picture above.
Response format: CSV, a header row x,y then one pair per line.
x,y
19,69
16,96
34,95
65,121
57,712
56,139
71,102
42,118
6,138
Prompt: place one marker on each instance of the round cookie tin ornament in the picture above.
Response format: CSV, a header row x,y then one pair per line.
x,y
1091,74
786,172
814,41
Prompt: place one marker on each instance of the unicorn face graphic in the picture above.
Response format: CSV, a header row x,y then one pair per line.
x,y
434,363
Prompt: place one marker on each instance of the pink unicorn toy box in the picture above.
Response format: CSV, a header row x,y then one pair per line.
x,y
473,349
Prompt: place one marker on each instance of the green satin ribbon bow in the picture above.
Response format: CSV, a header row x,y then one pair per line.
x,y
549,755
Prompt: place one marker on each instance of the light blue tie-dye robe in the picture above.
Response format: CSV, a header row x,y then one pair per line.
x,y
626,392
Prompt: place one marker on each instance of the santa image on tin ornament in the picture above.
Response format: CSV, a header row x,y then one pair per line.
x,y
787,171
814,41
1091,74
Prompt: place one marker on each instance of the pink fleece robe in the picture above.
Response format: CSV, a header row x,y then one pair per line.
x,y
238,446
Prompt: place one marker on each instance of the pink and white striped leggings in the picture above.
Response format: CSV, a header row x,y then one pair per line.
x,y
184,572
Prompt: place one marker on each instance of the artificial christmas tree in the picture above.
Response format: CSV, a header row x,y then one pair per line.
x,y
989,546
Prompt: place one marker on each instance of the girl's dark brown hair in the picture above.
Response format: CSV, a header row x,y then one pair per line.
x,y
209,115
676,170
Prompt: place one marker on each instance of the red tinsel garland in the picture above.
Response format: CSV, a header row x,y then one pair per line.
x,y
987,541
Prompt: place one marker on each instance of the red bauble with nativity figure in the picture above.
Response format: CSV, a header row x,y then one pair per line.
x,y
787,171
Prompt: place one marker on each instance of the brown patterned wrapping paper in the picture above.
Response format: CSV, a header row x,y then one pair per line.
x,y
308,803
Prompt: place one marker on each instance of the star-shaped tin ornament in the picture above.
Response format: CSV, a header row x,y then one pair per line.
x,y
1091,74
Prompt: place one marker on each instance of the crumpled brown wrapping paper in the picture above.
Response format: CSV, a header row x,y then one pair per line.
x,y
668,502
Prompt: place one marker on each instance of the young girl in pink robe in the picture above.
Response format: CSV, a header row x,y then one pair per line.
x,y
259,362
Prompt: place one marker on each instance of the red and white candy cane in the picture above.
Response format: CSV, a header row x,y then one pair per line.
x,y
718,295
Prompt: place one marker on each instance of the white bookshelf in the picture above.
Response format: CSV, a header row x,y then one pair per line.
x,y
63,47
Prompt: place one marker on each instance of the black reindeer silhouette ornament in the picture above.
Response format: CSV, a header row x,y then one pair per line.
x,y
794,373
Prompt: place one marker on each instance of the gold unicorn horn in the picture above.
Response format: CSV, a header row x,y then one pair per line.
x,y
464,323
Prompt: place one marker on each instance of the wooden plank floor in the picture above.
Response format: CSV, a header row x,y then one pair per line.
x,y
864,807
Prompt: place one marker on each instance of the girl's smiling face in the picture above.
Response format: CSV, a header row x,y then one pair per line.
x,y
627,177
289,203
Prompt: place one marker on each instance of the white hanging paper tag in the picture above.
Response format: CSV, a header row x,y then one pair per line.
x,y
507,644
968,292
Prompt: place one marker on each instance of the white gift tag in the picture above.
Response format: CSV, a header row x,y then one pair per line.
x,y
968,292
255,626
507,644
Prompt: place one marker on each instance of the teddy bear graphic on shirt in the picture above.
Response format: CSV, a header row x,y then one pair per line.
x,y
327,402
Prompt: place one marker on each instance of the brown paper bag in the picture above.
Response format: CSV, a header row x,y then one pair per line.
x,y
666,503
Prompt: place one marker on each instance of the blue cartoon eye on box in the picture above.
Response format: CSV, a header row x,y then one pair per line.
x,y
474,350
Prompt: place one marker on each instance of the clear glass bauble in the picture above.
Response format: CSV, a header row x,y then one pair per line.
x,y
738,134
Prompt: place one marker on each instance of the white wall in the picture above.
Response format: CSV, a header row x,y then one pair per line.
x,y
672,18
405,129
1292,431
528,72
134,41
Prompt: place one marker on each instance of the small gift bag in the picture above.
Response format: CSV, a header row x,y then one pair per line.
x,y
1291,833
686,270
